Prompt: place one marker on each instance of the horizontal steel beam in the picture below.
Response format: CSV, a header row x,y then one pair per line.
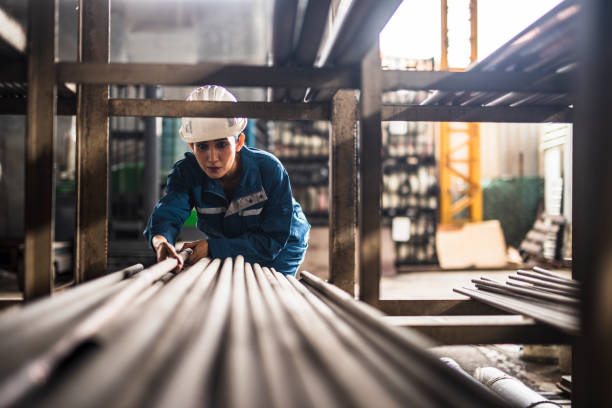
x,y
429,307
475,81
501,329
499,114
258,110
199,74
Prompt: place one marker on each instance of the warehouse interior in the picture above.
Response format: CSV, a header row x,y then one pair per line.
x,y
467,264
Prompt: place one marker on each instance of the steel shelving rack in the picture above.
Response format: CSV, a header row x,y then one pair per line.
x,y
350,62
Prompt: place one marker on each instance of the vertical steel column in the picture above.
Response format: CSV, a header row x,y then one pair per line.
x,y
92,146
39,194
342,171
370,176
152,164
592,204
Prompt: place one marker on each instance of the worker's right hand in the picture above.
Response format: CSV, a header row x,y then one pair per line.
x,y
164,249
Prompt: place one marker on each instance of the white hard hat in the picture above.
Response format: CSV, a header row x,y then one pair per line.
x,y
195,130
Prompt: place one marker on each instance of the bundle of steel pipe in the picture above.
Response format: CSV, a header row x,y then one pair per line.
x,y
544,49
547,297
219,333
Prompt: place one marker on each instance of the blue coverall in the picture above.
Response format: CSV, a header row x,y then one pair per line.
x,y
262,221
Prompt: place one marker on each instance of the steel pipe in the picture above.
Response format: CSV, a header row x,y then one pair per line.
x,y
512,389
37,370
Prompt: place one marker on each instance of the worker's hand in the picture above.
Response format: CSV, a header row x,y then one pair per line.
x,y
164,249
200,250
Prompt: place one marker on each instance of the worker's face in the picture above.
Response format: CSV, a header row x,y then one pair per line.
x,y
218,157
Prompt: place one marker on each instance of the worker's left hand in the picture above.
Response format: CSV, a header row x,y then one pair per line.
x,y
200,250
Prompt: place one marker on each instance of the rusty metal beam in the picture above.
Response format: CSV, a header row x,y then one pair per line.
x,y
592,198
258,110
370,177
91,237
498,114
431,307
197,74
476,81
503,329
39,194
342,183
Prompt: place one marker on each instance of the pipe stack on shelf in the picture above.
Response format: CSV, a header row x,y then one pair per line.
x,y
220,333
543,295
545,48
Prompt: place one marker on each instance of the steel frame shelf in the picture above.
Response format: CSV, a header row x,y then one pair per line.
x,y
591,239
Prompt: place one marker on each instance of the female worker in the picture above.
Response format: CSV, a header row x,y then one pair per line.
x,y
242,197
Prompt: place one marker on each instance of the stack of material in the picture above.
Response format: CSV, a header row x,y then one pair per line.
x,y
543,295
221,333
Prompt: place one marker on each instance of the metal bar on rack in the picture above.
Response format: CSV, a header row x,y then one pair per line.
x,y
545,284
499,329
475,81
546,290
434,307
243,384
404,348
39,146
591,203
369,177
565,300
175,336
504,114
197,74
566,322
257,110
60,303
190,379
91,235
375,361
342,184
563,282
319,390
127,347
546,272
345,369
37,370
275,357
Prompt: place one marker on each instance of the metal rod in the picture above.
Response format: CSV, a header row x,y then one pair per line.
x,y
130,348
543,271
275,357
545,284
529,292
567,323
57,303
189,381
403,348
174,337
565,282
319,391
546,290
38,369
346,371
383,368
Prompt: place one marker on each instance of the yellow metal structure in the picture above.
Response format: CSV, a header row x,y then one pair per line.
x,y
460,187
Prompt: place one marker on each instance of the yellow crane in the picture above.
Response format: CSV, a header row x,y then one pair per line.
x,y
460,187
